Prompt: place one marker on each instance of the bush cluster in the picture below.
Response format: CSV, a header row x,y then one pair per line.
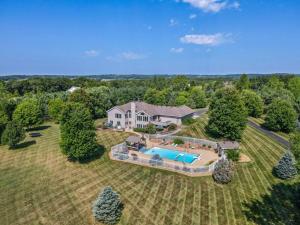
x,y
223,171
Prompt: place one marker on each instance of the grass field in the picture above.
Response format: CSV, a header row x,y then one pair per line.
x,y
39,186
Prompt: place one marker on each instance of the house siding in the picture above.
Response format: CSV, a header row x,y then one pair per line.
x,y
111,117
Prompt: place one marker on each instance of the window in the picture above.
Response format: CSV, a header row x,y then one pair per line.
x,y
118,123
117,115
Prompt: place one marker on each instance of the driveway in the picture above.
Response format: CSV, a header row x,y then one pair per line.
x,y
270,134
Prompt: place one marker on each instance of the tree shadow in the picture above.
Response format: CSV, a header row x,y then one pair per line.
x,y
281,206
24,144
39,128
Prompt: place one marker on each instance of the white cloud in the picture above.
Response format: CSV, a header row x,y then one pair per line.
x,y
91,53
173,23
193,16
212,5
176,50
131,56
206,39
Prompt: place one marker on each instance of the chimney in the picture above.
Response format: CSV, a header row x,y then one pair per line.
x,y
133,114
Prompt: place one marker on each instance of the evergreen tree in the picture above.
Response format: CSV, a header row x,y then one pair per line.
x,y
13,134
227,114
285,168
108,207
223,171
78,137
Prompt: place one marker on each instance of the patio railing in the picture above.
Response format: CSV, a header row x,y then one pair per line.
x,y
201,142
120,152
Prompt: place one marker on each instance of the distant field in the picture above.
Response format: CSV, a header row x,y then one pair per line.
x,y
39,186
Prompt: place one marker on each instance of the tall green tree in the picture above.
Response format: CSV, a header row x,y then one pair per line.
x,y
82,97
253,103
3,122
227,114
294,86
243,83
28,113
55,108
101,100
182,98
281,116
197,95
78,136
295,147
13,134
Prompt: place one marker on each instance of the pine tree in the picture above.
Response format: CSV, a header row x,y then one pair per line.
x,y
13,134
285,168
223,171
108,207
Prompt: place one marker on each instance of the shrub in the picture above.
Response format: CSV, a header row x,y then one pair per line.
x,y
188,121
150,129
108,207
233,154
285,168
178,141
141,130
223,171
172,127
13,134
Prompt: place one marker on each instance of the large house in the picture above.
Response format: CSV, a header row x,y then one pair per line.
x,y
140,114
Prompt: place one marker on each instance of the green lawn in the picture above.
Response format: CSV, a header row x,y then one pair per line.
x,y
39,186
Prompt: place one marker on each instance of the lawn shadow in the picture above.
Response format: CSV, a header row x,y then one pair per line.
x,y
24,144
286,210
39,128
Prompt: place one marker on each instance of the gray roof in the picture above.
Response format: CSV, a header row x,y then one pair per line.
x,y
155,110
229,145
133,139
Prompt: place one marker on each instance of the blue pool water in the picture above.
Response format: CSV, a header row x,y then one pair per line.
x,y
172,154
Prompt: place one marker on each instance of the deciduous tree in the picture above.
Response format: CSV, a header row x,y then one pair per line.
x,y
28,113
253,103
281,116
227,114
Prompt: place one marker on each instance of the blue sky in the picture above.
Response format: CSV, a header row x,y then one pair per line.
x,y
149,36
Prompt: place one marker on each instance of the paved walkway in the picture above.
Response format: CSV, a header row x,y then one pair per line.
x,y
272,135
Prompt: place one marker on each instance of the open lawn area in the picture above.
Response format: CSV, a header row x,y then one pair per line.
x,y
39,186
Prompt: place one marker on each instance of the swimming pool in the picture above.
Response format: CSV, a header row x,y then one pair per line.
x,y
172,154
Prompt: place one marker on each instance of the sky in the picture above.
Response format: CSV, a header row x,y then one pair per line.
x,y
82,37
